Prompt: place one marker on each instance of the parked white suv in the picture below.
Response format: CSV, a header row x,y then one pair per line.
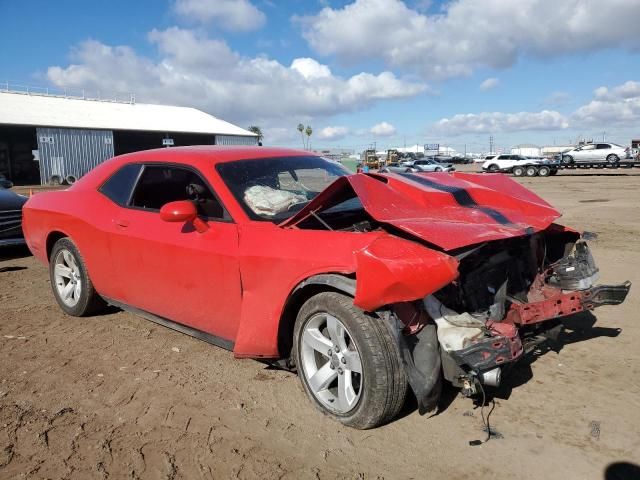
x,y
506,162
596,152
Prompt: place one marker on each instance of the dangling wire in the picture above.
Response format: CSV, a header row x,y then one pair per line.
x,y
485,422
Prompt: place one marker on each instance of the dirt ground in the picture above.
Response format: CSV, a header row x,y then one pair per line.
x,y
115,396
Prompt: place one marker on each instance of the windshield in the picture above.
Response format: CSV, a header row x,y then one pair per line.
x,y
273,189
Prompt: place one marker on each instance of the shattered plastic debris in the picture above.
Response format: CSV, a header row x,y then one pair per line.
x,y
175,349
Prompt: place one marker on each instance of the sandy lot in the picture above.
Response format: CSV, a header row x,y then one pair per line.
x,y
116,396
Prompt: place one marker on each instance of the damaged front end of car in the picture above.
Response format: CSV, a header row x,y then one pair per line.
x,y
509,297
472,272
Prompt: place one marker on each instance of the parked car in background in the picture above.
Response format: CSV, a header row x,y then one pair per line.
x,y
430,165
504,163
366,285
11,217
396,167
5,182
596,152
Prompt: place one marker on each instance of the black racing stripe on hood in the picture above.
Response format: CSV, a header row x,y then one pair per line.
x,y
460,195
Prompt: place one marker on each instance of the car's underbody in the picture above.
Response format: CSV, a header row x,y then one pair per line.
x,y
508,295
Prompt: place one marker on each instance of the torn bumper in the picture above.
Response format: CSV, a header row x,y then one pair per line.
x,y
559,303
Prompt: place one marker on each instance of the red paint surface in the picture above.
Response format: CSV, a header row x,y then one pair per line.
x,y
233,279
479,210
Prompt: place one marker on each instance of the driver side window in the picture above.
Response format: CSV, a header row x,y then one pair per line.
x,y
160,184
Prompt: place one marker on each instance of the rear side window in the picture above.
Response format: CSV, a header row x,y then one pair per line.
x,y
159,185
603,146
118,187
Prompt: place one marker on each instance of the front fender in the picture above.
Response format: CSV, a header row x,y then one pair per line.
x,y
391,270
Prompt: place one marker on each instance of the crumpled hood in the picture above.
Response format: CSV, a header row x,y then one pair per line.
x,y
447,210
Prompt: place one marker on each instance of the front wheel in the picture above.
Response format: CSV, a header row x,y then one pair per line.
x,y
493,167
567,159
70,280
348,362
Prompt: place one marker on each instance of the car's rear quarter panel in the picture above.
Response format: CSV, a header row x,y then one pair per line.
x,y
79,215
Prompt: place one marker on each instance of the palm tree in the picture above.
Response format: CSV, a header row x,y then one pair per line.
x,y
301,130
308,131
258,131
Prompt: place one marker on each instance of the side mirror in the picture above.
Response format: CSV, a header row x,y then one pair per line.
x,y
180,211
183,211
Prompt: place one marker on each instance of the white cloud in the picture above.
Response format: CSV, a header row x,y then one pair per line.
x,y
235,15
333,133
494,122
619,105
489,83
383,129
469,34
198,71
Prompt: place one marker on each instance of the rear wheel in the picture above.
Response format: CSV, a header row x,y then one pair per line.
x,y
531,171
438,169
70,280
544,171
567,159
518,171
613,158
348,362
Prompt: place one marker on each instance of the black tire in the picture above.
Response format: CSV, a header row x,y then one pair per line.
x,y
518,171
531,171
409,170
553,172
71,179
55,180
567,159
89,301
493,167
438,169
544,171
613,158
384,382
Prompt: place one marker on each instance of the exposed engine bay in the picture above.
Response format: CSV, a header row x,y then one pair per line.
x,y
508,299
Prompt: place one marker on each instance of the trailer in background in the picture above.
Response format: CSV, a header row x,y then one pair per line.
x,y
552,168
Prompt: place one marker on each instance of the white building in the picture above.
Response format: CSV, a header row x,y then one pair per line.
x,y
46,136
526,150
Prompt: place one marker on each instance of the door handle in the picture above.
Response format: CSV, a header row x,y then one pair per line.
x,y
122,223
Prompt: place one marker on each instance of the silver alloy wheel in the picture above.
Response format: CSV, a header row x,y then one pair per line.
x,y
331,363
67,277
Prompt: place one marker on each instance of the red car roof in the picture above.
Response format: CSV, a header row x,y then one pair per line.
x,y
198,156
213,153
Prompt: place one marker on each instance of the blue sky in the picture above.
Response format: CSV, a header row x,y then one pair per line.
x,y
393,72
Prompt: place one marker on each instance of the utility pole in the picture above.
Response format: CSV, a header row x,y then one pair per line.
x,y
490,144
603,136
465,150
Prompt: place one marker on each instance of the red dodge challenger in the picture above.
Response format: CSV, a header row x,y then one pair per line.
x,y
366,284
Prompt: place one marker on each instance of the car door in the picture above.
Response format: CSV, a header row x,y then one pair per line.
x,y
170,269
603,150
586,153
